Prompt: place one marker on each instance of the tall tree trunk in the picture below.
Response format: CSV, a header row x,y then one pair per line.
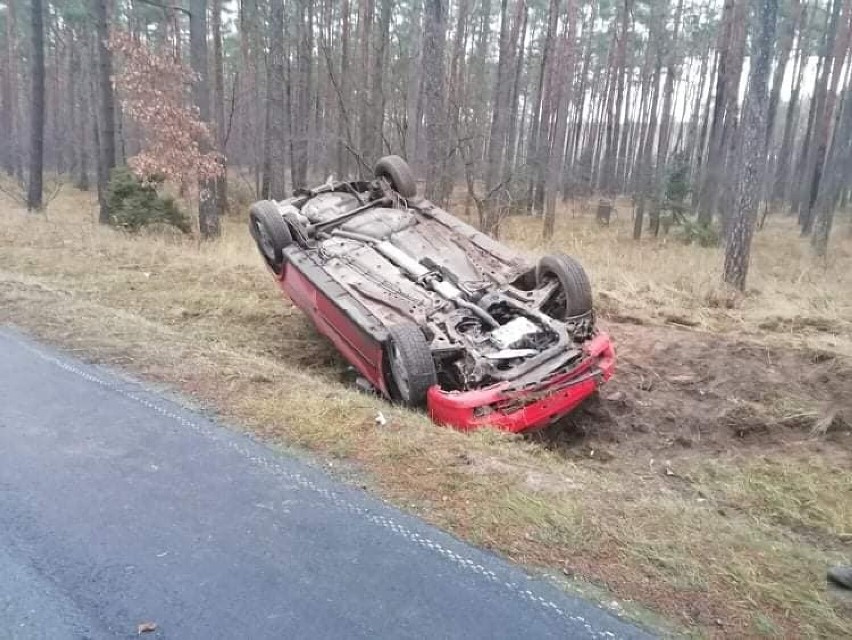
x,y
365,30
208,215
722,198
834,182
622,166
73,98
837,47
665,122
791,118
414,88
34,188
303,89
800,161
645,170
377,90
563,78
456,88
715,153
515,97
219,96
344,128
478,85
785,45
613,124
540,122
579,107
434,44
106,108
276,140
84,128
8,92
738,246
499,120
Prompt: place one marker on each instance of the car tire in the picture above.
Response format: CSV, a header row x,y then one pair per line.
x,y
411,369
270,233
574,295
399,174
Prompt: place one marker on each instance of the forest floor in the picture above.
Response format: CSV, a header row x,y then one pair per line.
x,y
708,484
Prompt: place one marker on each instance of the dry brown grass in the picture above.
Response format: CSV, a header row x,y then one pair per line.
x,y
791,298
730,546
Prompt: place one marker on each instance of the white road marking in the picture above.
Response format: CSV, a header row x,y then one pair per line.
x,y
332,497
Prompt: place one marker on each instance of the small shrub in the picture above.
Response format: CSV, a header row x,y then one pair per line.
x,y
134,203
704,235
678,186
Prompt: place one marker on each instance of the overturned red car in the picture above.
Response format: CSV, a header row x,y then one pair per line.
x,y
431,311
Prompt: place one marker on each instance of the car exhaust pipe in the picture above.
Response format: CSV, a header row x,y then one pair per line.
x,y
420,273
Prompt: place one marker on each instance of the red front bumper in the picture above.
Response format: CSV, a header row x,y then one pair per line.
x,y
535,406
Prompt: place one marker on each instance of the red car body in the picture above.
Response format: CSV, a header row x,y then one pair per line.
x,y
531,407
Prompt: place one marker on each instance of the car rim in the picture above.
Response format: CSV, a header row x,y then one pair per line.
x,y
265,242
555,306
400,376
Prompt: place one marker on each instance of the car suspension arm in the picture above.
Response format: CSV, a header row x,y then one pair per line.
x,y
313,229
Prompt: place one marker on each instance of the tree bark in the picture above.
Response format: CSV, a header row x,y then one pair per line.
x,y
414,87
791,118
377,90
344,128
837,47
303,89
106,109
738,247
365,30
645,171
562,87
8,91
834,182
208,216
456,90
34,187
660,167
219,93
785,45
613,124
710,179
86,117
276,151
540,122
434,45
511,134
499,120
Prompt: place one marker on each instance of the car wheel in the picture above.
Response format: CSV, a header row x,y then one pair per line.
x,y
399,174
270,233
573,295
411,369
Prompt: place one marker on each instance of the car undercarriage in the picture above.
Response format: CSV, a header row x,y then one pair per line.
x,y
453,309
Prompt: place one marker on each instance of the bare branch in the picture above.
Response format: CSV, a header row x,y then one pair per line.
x,y
231,112
153,3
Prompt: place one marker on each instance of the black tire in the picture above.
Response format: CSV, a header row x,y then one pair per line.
x,y
399,174
573,297
411,369
270,233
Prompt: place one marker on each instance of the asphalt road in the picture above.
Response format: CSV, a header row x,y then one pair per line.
x,y
119,506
